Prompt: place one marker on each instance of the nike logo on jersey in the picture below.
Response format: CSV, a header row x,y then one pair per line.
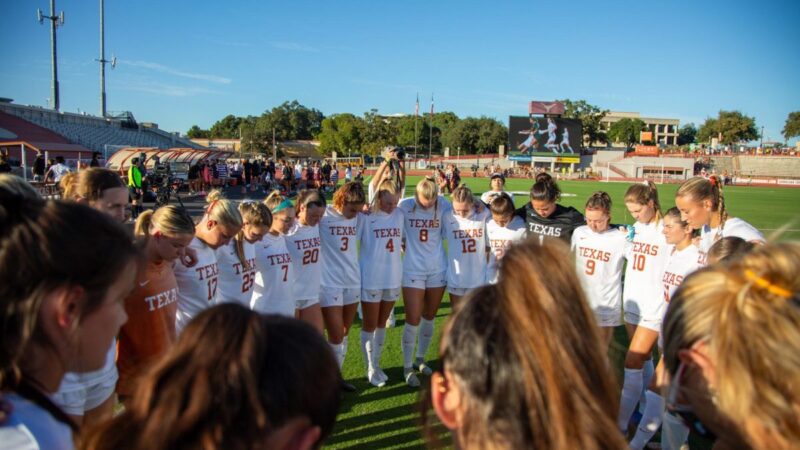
x,y
144,283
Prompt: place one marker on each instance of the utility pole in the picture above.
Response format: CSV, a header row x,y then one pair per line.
x,y
55,21
761,145
103,61
274,146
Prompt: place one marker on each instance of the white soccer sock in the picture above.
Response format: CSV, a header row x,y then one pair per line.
x,y
651,420
631,389
409,339
647,375
344,348
673,432
367,348
337,352
378,339
425,337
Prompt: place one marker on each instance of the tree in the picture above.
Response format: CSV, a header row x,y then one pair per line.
x,y
731,126
590,116
197,133
227,128
687,134
340,133
378,133
627,131
292,121
792,127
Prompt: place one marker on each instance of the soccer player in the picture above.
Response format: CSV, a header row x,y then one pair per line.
x,y
197,286
497,184
304,246
381,235
467,245
424,272
503,229
600,251
642,295
151,306
273,292
684,258
702,204
544,217
340,292
236,260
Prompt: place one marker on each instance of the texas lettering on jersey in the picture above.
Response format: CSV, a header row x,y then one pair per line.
x,y
342,231
386,232
468,233
281,258
595,254
644,248
423,223
208,271
162,299
544,230
250,264
303,244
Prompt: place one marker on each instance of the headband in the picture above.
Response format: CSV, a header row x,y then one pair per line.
x,y
286,203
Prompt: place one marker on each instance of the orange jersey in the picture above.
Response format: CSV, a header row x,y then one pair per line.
x,y
150,330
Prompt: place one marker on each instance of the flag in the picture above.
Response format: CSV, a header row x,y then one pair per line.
x,y
416,110
431,105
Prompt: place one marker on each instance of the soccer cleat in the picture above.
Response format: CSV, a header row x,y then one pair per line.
x,y
381,374
375,379
411,378
390,320
346,387
422,367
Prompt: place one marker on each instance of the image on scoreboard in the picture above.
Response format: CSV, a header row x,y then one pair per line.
x,y
529,135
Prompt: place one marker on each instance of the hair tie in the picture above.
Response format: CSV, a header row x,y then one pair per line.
x,y
211,206
765,284
286,203
646,183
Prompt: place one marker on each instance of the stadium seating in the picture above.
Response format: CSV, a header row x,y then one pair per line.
x,y
96,133
770,166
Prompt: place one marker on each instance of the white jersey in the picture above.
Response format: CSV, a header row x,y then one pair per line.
x,y
197,286
647,257
466,249
598,260
423,236
273,291
236,279
304,246
500,239
679,264
733,227
488,196
381,237
339,235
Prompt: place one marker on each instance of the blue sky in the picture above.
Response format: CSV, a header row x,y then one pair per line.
x,y
192,62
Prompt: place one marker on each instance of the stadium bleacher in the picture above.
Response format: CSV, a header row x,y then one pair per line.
x,y
96,133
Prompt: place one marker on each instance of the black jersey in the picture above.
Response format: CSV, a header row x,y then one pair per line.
x,y
560,224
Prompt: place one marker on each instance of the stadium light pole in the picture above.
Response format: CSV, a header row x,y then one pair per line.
x,y
55,21
103,61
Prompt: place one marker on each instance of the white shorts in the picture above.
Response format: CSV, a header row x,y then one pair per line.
x,y
329,296
305,303
650,323
425,281
458,291
377,295
88,397
607,320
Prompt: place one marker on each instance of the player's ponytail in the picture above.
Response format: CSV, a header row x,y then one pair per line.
x,y
463,194
545,189
700,189
253,214
642,194
171,220
600,200
222,210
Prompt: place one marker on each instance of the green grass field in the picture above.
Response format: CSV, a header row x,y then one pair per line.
x,y
387,417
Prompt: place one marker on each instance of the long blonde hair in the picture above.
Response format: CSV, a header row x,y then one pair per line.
x,y
385,187
643,193
527,358
427,189
222,210
699,189
256,214
89,184
748,314
169,219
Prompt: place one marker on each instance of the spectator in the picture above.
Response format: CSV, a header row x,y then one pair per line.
x,y
38,168
222,172
348,174
248,172
58,170
95,162
5,167
135,188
